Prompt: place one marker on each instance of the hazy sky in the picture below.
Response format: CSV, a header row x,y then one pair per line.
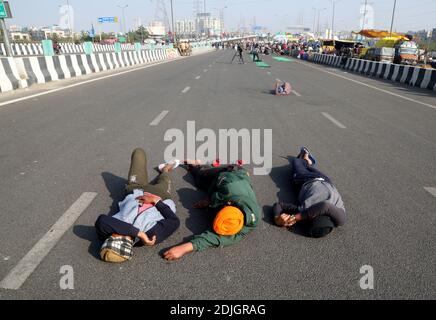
x,y
273,14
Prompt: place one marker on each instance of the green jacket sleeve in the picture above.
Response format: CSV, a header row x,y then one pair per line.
x,y
210,239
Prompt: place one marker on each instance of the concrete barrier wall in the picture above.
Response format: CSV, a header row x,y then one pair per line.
x,y
46,69
21,72
30,49
10,78
409,75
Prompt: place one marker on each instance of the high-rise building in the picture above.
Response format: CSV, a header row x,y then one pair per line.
x,y
206,24
185,27
433,36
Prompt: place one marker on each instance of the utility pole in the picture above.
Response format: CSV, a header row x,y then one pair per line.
x,y
429,36
124,17
364,15
314,21
319,18
172,22
6,38
393,17
333,17
69,21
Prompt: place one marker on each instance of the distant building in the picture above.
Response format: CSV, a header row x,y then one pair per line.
x,y
19,36
156,29
36,34
206,24
55,31
185,27
433,36
17,33
14,28
421,34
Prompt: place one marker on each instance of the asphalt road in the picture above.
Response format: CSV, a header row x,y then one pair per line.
x,y
379,149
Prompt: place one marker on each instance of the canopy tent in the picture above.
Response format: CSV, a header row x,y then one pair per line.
x,y
339,44
382,34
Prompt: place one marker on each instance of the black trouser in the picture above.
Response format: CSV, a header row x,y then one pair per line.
x,y
303,173
205,176
107,226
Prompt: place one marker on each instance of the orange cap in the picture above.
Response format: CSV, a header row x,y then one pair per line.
x,y
229,221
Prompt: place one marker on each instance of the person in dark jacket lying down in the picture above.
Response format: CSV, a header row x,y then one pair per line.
x,y
320,204
147,215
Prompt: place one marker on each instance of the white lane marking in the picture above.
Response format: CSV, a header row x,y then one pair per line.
x,y
269,72
370,86
336,122
159,118
210,66
197,77
84,82
205,70
19,274
186,89
431,190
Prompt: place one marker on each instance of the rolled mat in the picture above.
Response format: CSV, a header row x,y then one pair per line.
x,y
262,64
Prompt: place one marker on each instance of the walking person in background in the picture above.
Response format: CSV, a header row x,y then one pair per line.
x,y
256,51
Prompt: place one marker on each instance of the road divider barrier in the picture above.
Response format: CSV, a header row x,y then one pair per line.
x,y
413,76
36,49
10,78
22,72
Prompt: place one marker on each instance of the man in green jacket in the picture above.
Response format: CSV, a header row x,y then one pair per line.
x,y
231,199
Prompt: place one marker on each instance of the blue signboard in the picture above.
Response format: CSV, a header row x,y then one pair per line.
x,y
108,20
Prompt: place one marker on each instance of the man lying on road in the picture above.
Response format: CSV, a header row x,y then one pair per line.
x,y
321,205
231,199
147,214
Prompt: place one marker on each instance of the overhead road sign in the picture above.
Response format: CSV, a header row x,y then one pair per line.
x,y
5,10
108,20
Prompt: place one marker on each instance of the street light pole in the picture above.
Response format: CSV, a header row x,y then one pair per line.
x,y
314,20
333,17
393,16
221,13
124,17
319,18
69,20
8,48
172,22
364,15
